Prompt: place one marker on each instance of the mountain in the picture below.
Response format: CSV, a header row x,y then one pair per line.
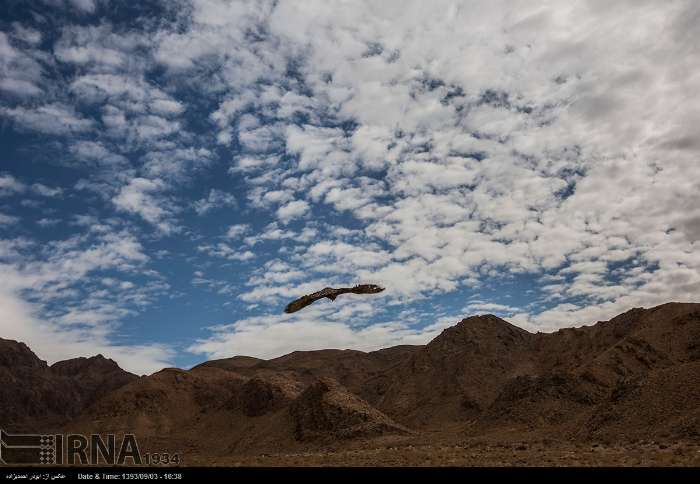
x,y
633,378
457,375
34,395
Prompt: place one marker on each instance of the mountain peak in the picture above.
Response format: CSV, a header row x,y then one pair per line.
x,y
74,366
15,354
480,329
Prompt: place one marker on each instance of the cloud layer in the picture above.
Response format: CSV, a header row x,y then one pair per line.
x,y
441,149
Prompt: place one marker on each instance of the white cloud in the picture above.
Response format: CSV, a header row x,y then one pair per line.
x,y
87,6
46,191
48,222
482,307
237,230
167,107
323,149
19,87
127,91
20,73
26,34
215,199
292,210
225,251
8,219
96,153
52,343
56,119
273,232
176,164
9,185
82,323
82,6
144,197
271,336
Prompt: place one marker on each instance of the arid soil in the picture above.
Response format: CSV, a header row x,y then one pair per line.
x,y
484,392
494,455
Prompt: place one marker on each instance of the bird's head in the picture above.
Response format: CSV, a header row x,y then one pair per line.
x,y
373,288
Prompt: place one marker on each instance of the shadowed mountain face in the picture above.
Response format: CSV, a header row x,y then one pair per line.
x,y
634,377
34,395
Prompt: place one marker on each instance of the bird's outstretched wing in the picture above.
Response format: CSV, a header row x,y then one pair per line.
x,y
330,293
304,301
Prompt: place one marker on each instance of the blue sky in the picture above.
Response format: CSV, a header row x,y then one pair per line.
x,y
173,173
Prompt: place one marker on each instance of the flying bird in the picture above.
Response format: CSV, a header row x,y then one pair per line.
x,y
331,293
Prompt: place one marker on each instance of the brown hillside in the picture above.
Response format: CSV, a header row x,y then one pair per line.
x,y
34,395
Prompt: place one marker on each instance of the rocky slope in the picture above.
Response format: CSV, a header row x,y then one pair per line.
x,y
34,395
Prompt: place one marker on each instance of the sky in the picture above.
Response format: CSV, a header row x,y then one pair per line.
x,y
173,173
